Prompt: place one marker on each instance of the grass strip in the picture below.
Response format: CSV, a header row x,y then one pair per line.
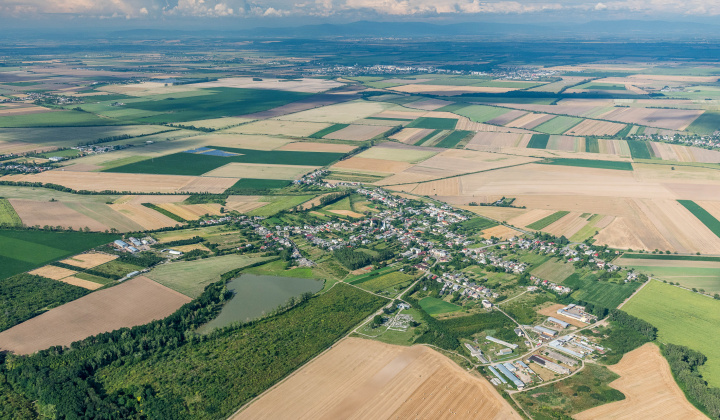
x,y
428,137
548,220
706,218
670,257
538,141
591,163
325,131
165,212
453,139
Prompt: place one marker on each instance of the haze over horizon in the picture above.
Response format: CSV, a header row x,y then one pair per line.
x,y
243,14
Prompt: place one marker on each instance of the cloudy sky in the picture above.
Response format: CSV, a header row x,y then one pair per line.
x,y
343,10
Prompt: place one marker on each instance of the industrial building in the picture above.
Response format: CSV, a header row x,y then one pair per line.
x,y
546,332
514,379
558,322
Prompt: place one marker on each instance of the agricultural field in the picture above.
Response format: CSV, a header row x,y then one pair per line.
x,y
8,215
23,250
191,277
548,220
554,271
588,163
134,302
683,318
437,387
434,123
604,293
435,306
384,282
649,388
706,218
558,125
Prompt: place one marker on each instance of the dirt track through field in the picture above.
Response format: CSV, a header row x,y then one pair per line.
x,y
362,379
649,388
134,302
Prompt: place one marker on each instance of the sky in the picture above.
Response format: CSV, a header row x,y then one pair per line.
x,y
315,11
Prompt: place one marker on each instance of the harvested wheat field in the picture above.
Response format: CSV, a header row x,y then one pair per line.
x,y
649,388
530,120
260,170
359,164
142,183
346,213
344,113
595,128
362,379
405,114
567,226
502,232
44,213
411,135
357,132
494,141
280,127
673,119
52,272
399,152
243,203
552,311
308,146
133,302
428,104
443,90
192,211
457,161
229,138
148,218
89,260
530,217
497,213
441,187
299,85
85,284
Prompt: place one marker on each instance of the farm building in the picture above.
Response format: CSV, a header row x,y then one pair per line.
x,y
495,372
121,244
558,345
504,343
558,322
504,352
577,312
547,332
514,379
550,365
509,366
561,358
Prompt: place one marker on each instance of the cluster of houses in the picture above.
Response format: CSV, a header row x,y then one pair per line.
x,y
22,168
557,288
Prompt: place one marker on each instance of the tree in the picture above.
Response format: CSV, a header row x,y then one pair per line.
x,y
377,321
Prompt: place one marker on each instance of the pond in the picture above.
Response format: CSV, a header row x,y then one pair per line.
x,y
256,295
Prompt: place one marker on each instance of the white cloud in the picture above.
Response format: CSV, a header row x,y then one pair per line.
x,y
275,8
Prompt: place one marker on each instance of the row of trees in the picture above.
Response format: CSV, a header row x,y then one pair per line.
x,y
684,363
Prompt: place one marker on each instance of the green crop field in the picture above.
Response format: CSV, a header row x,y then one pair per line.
x,y
640,149
555,271
167,213
588,230
384,281
538,141
8,216
624,132
481,113
435,306
434,123
325,131
682,317
214,103
591,163
707,279
279,203
452,139
591,145
427,137
547,220
707,123
191,277
116,269
250,185
477,224
185,163
706,218
558,125
601,86
24,250
603,293
56,119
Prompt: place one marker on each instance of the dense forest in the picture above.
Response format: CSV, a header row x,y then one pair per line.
x,y
684,363
627,334
165,370
357,259
24,296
